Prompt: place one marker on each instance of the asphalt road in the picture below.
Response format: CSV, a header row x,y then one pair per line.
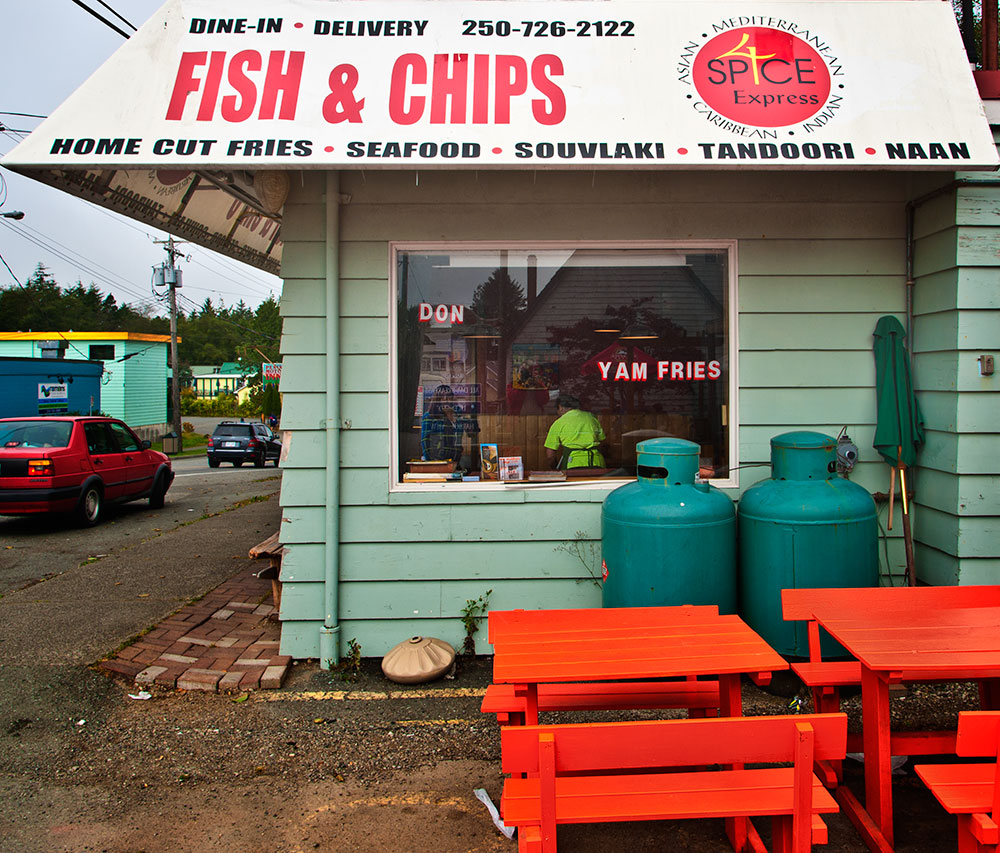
x,y
36,548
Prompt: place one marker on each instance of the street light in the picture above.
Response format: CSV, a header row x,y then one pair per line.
x,y
13,214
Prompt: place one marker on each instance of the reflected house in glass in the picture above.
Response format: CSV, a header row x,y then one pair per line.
x,y
678,299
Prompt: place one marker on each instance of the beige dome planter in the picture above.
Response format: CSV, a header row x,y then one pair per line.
x,y
418,659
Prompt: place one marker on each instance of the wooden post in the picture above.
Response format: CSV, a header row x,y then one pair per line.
x,y
989,58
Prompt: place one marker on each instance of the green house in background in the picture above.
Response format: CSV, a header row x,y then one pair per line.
x,y
210,382
607,222
134,384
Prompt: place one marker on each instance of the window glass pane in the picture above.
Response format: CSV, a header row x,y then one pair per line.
x,y
98,438
126,441
633,342
102,352
35,433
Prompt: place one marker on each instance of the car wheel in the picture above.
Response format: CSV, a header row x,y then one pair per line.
x,y
213,462
238,464
259,460
276,460
158,495
88,510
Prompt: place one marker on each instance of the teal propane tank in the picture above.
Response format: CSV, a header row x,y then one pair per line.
x,y
667,539
805,527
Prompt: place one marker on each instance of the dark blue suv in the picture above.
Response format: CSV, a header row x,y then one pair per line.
x,y
239,442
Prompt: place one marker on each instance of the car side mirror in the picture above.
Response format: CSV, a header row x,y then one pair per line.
x,y
146,444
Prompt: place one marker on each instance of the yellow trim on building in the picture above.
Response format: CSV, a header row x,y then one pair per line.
x,y
84,336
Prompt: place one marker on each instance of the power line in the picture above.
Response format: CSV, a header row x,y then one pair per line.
x,y
119,17
22,115
66,254
257,332
24,233
193,258
11,272
102,19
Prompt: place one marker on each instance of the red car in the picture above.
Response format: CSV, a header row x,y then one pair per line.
x,y
77,465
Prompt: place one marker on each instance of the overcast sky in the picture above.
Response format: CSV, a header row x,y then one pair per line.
x,y
49,48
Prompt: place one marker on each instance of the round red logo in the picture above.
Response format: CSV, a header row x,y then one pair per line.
x,y
761,77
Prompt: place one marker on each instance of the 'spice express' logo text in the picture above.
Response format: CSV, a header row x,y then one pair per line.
x,y
749,78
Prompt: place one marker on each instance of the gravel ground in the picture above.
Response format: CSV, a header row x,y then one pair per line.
x,y
324,763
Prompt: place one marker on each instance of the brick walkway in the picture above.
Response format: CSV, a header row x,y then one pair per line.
x,y
224,641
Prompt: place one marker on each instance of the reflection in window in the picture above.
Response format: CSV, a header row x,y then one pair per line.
x,y
633,341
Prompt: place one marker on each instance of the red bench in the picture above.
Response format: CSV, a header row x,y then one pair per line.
x,y
599,772
701,698
971,791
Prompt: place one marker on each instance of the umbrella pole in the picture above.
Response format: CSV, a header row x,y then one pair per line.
x,y
892,495
911,575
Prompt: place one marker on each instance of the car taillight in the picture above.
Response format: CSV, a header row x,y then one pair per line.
x,y
39,467
253,443
210,441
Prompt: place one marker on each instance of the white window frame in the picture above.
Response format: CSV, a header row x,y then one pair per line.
x,y
605,484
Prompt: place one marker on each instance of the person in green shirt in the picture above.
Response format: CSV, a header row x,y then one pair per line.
x,y
574,439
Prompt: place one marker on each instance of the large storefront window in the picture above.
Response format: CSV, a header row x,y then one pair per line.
x,y
538,363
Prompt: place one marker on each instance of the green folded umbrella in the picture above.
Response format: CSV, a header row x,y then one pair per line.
x,y
899,428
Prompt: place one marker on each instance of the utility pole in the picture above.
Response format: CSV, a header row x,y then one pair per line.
x,y
171,276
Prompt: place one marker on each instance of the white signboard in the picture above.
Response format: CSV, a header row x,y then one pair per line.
x,y
53,397
305,83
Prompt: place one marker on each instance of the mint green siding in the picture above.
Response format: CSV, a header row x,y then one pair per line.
x,y
957,319
820,258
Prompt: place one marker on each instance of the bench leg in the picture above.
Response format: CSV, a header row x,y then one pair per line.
x,y
731,705
967,840
529,839
781,833
989,694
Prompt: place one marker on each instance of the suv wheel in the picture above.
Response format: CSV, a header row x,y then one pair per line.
x,y
259,460
213,462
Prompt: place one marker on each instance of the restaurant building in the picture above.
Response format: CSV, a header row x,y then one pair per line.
x,y
689,216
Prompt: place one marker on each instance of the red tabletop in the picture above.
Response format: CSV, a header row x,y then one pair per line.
x,y
626,643
932,640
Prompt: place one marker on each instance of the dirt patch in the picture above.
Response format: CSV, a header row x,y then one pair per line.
x,y
326,765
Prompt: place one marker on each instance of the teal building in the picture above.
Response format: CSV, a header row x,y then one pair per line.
x,y
611,224
135,376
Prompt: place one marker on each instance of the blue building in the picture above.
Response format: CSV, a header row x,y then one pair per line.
x,y
45,386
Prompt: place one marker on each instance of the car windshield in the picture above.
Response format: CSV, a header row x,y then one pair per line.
x,y
14,434
233,429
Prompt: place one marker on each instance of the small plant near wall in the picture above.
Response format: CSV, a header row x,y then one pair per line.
x,y
472,614
349,668
588,552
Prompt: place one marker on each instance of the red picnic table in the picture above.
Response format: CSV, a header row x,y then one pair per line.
x,y
909,634
533,647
